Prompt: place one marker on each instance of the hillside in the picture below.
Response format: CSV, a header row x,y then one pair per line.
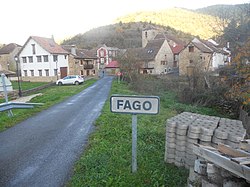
x,y
121,35
187,21
186,24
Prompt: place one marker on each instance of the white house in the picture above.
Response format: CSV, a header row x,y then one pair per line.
x,y
42,59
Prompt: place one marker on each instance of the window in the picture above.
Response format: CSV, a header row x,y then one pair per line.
x,y
39,58
81,72
32,73
55,57
55,72
47,72
146,34
163,62
24,59
101,53
33,49
30,59
191,49
81,63
25,73
102,60
45,58
191,61
40,72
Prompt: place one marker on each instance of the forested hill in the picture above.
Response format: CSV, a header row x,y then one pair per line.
x,y
227,12
126,32
187,21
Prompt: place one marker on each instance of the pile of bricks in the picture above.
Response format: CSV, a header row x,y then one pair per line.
x,y
185,129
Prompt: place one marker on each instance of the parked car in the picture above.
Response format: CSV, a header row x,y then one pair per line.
x,y
70,79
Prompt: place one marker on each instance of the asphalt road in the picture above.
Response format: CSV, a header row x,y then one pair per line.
x,y
42,150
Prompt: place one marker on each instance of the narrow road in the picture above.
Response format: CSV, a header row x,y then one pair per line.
x,y
42,150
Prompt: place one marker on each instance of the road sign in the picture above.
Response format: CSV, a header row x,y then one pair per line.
x,y
5,84
134,104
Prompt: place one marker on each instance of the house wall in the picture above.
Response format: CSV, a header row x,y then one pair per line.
x,y
164,54
200,60
36,66
218,60
6,59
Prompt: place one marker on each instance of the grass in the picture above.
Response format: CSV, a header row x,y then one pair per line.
x,y
49,97
27,85
107,160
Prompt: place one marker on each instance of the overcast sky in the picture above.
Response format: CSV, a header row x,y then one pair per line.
x,y
65,18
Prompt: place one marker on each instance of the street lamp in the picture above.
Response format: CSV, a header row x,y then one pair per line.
x,y
17,72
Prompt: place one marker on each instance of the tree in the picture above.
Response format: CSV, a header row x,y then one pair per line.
x,y
130,65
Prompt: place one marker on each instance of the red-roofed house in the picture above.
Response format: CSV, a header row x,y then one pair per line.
x,y
112,68
42,59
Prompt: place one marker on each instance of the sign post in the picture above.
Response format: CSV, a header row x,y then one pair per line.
x,y
134,105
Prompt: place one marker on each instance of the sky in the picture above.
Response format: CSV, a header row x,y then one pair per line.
x,y
63,19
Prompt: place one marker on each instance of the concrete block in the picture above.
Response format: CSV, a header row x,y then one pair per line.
x,y
200,167
206,183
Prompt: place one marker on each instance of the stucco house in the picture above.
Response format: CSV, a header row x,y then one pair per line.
x,y
106,54
82,61
201,55
42,59
7,54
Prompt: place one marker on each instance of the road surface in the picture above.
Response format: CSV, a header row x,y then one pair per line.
x,y
42,150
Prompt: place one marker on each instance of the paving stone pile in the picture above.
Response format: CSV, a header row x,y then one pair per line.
x,y
185,129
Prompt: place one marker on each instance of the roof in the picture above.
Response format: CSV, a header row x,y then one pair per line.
x,y
113,64
149,52
176,49
7,49
207,46
48,44
81,53
169,37
7,72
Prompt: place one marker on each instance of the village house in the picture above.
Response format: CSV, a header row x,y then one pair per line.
x,y
106,54
42,59
159,52
202,56
7,61
82,61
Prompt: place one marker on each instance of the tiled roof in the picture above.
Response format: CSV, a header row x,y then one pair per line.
x,y
85,53
201,46
48,44
81,53
177,48
7,49
169,37
113,64
149,52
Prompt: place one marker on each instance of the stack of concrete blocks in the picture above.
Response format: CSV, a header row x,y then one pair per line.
x,y
185,129
176,138
229,132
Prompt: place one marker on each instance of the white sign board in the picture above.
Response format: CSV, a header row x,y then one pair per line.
x,y
7,84
134,104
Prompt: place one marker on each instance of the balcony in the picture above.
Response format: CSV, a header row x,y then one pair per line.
x,y
88,66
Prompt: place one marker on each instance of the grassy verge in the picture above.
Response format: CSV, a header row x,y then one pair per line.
x,y
107,160
27,85
49,97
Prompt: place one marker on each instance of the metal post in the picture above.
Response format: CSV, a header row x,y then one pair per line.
x,y
17,71
134,143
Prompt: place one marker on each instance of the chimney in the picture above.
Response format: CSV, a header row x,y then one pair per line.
x,y
73,49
